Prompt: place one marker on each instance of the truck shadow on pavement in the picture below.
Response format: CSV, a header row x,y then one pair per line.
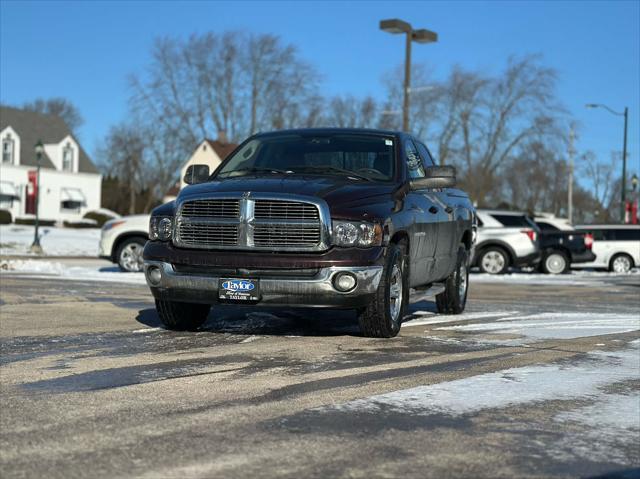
x,y
268,322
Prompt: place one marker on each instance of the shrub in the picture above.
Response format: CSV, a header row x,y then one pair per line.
x,y
5,217
99,217
32,222
84,223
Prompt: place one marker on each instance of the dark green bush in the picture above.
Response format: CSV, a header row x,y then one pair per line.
x,y
100,218
32,222
5,217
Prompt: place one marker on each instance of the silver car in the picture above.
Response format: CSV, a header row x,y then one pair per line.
x,y
505,238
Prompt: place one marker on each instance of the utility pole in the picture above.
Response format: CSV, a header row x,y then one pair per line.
x,y
570,189
623,207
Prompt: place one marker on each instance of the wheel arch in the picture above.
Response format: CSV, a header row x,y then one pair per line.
x,y
620,253
123,237
481,247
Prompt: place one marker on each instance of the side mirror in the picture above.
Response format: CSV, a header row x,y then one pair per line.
x,y
435,177
196,174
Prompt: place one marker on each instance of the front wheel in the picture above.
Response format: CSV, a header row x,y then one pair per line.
x,y
382,317
454,298
129,254
182,316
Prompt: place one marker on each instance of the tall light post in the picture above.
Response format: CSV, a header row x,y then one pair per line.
x,y
623,195
419,36
35,247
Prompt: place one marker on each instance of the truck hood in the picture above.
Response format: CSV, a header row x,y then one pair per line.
x,y
334,190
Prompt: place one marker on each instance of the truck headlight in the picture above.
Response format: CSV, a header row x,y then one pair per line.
x,y
356,233
160,228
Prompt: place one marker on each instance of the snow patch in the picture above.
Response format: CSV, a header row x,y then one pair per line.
x,y
46,270
17,239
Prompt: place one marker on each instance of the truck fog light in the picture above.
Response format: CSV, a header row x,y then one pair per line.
x,y
154,275
344,282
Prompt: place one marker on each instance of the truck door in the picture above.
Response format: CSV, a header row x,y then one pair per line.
x,y
424,234
447,245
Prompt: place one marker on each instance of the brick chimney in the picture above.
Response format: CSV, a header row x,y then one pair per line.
x,y
222,136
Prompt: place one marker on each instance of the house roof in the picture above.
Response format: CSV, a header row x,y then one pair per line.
x,y
222,149
31,127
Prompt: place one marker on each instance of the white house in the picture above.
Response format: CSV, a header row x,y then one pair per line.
x,y
208,152
70,184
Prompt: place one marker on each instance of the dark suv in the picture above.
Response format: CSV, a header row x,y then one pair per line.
x,y
339,218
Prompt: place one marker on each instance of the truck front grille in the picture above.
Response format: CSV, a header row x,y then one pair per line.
x,y
251,223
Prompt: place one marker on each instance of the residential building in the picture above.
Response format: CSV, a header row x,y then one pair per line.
x,y
70,184
208,152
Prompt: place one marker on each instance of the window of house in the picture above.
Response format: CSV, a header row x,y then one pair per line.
x,y
8,193
67,158
72,200
8,149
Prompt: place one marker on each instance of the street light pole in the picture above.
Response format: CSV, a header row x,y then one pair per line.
x,y
35,246
625,114
420,36
570,189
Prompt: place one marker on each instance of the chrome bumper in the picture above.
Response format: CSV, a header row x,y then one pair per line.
x,y
317,291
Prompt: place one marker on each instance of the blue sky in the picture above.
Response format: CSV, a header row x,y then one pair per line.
x,y
85,50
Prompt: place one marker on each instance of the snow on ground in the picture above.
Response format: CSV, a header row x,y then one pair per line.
x,y
575,277
556,325
583,380
48,269
16,240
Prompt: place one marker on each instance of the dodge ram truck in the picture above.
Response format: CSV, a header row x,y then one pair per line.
x,y
319,218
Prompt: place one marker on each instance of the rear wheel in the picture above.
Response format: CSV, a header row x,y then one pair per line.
x,y
494,260
454,298
382,317
621,263
555,262
182,316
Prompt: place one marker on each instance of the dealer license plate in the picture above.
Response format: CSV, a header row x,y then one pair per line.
x,y
239,289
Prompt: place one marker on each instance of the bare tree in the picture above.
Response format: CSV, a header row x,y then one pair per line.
x,y
122,156
348,111
600,176
60,107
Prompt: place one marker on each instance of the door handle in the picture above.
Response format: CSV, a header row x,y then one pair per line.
x,y
433,210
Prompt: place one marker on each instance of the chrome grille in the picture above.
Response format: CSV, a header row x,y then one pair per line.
x,y
253,222
286,235
208,235
212,208
285,210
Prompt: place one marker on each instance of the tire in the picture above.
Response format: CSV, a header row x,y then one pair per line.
x,y
555,262
493,260
454,298
129,254
382,317
621,263
182,316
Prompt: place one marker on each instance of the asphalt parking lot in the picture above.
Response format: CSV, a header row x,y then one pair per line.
x,y
539,378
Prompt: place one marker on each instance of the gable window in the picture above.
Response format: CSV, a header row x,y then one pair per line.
x,y
8,149
67,158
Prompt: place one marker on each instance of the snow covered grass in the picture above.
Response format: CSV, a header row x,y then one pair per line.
x,y
16,240
48,269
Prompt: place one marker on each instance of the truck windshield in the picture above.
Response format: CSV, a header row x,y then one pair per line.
x,y
360,157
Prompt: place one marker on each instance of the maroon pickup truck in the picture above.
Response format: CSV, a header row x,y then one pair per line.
x,y
325,218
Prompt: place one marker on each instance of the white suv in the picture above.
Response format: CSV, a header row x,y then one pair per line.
x,y
617,247
505,238
123,239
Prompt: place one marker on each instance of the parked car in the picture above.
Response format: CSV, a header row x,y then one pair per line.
x,y
340,218
561,245
122,241
505,238
617,247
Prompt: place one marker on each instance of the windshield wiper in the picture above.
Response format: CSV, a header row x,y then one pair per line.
x,y
253,170
333,169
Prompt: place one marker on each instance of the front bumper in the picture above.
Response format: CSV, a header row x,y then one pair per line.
x,y
304,291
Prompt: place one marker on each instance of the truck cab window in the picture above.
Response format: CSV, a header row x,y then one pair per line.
x,y
415,168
